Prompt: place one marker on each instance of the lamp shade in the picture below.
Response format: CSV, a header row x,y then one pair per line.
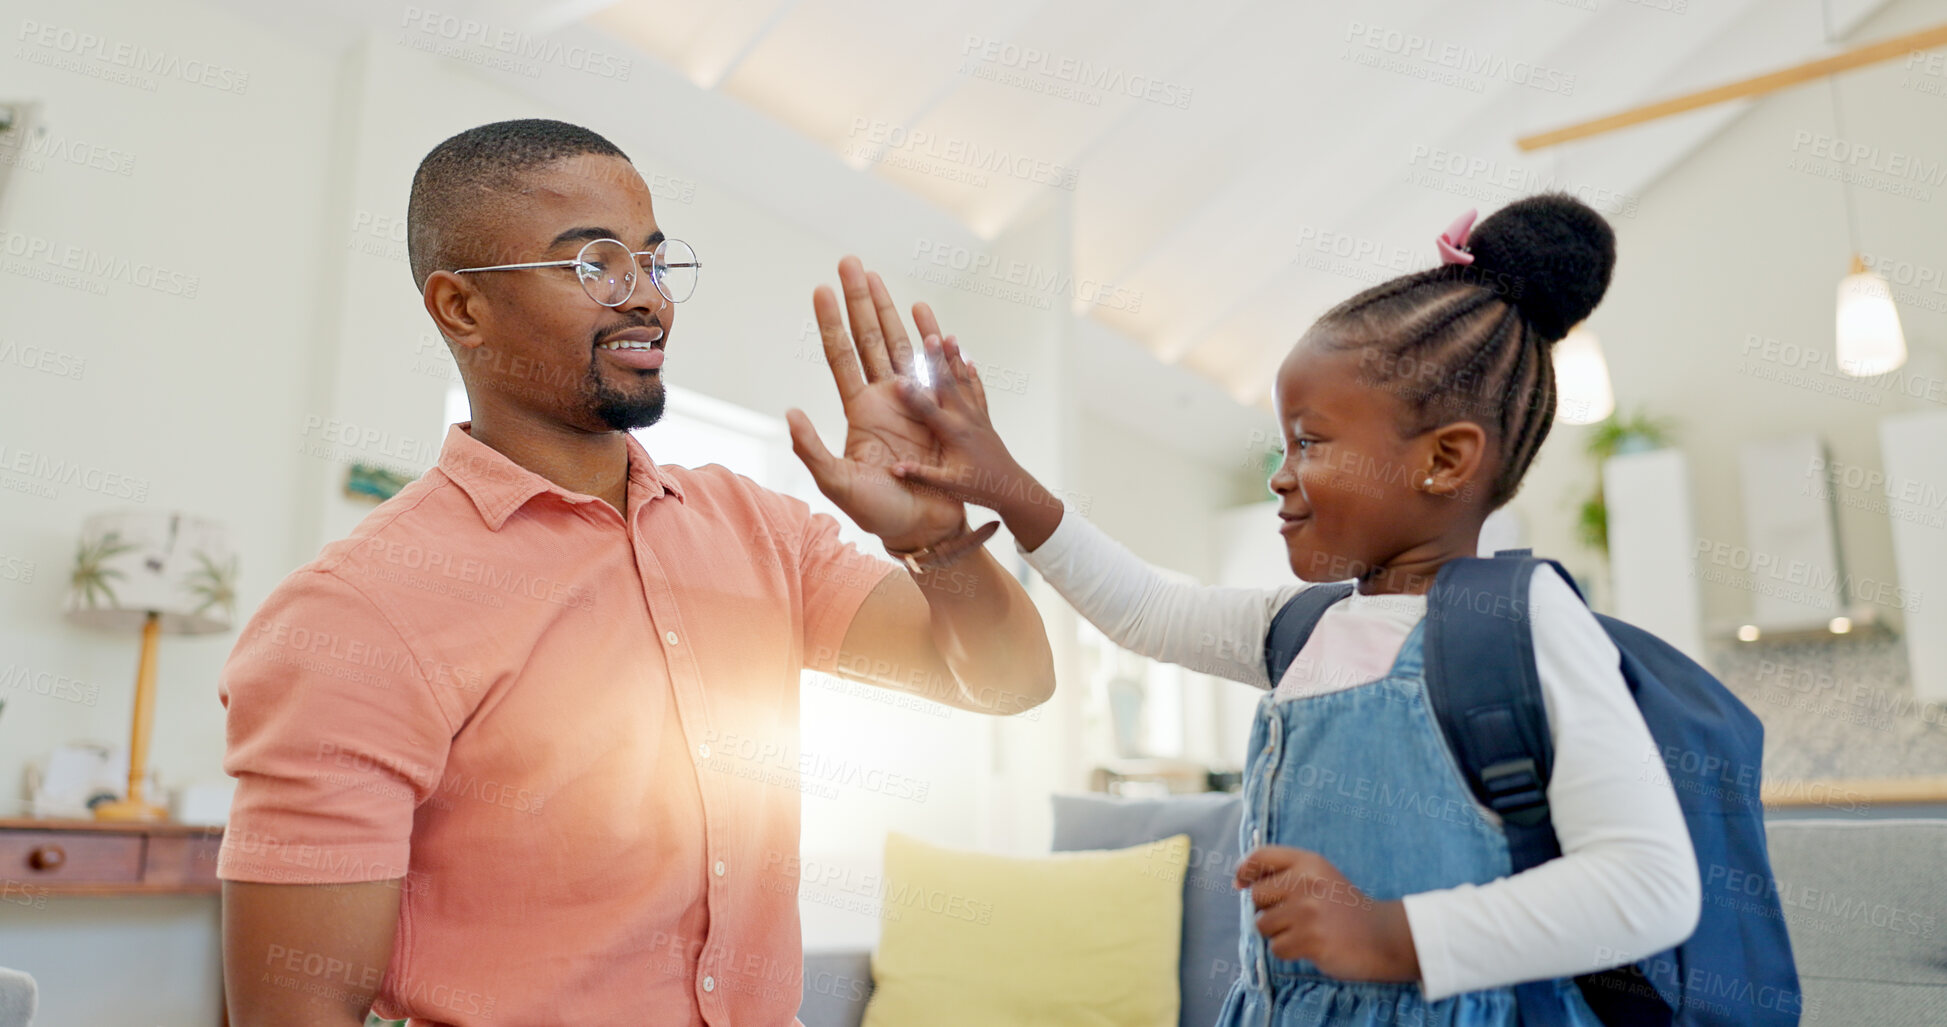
x,y
1583,395
1869,341
131,563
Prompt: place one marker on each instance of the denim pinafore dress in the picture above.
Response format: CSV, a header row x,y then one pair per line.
x,y
1363,777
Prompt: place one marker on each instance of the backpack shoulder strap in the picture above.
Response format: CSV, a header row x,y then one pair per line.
x,y
1486,693
1293,624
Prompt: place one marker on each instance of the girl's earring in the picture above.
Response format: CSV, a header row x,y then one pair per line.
x,y
1428,483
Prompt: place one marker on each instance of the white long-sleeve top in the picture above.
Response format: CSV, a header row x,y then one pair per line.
x,y
1626,885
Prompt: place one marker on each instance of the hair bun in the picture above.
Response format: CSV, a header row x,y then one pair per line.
x,y
1559,252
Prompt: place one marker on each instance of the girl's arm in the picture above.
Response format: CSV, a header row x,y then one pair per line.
x,y
1626,885
1207,629
1216,631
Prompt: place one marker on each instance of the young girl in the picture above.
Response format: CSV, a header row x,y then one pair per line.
x,y
1378,887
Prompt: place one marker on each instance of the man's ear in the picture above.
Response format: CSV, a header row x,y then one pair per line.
x,y
456,308
1455,455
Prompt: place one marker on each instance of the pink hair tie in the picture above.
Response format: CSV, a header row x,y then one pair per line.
x,y
1453,242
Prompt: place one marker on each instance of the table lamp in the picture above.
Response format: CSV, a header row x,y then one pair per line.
x,y
158,571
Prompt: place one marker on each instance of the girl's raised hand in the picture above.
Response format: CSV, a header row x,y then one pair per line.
x,y
974,465
1308,910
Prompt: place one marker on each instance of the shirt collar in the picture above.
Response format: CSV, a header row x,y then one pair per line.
x,y
499,486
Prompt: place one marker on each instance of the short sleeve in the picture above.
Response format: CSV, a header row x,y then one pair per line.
x,y
836,579
333,734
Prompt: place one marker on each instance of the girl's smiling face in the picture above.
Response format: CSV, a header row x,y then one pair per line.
x,y
1355,490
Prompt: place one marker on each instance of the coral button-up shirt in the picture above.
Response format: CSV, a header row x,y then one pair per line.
x,y
570,734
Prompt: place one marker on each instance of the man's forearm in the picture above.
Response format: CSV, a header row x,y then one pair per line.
x,y
989,633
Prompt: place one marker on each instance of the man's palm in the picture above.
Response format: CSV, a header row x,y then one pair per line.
x,y
866,365
880,433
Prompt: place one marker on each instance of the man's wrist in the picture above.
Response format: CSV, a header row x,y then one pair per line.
x,y
909,545
958,543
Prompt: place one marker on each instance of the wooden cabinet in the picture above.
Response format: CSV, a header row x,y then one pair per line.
x,y
39,858
87,857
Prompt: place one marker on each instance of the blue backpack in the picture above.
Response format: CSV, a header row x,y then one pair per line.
x,y
1483,686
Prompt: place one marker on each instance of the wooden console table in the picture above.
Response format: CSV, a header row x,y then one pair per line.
x,y
95,857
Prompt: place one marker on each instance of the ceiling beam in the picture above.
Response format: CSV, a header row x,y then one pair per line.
x,y
1757,85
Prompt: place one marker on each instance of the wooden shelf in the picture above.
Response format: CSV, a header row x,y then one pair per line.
x,y
1860,792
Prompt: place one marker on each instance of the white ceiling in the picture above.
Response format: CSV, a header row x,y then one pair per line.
x,y
1286,154
1270,127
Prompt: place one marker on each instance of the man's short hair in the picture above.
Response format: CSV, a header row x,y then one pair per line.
x,y
468,178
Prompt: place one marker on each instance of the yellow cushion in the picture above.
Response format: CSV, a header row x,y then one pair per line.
x,y
1075,939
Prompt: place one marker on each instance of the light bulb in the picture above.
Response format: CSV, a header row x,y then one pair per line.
x,y
1869,340
1583,395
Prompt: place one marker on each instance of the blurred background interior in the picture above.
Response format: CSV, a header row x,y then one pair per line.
x,y
1128,212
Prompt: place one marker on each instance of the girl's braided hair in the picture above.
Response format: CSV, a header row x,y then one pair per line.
x,y
1472,341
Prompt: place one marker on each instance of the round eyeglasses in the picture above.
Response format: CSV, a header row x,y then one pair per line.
x,y
608,270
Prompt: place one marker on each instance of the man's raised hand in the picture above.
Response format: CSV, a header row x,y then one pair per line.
x,y
867,364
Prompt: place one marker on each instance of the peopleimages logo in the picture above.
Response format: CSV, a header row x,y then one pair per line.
x,y
1411,47
460,31
48,471
91,263
1073,71
53,146
883,142
1891,163
1453,171
86,53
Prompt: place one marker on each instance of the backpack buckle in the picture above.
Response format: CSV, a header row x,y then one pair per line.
x,y
1514,790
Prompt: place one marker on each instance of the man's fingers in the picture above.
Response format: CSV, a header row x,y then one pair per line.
x,y
838,345
859,309
924,320
898,347
811,449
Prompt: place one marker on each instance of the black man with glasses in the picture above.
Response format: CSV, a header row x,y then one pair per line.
x,y
523,749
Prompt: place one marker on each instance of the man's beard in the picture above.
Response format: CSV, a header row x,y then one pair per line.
x,y
625,411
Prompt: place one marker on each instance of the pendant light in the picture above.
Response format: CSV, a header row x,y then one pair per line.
x,y
1867,339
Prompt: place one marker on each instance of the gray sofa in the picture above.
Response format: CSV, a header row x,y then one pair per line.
x,y
18,997
1863,901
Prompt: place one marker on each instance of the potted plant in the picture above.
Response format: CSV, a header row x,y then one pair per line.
x,y
1616,435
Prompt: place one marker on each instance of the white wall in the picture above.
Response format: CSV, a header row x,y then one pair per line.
x,y
1736,243
195,395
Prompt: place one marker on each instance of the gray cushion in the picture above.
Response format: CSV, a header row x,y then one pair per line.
x,y
18,997
1208,962
836,985
1863,904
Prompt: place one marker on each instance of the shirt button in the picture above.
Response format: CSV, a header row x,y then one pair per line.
x,y
719,868
670,637
703,751
709,984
